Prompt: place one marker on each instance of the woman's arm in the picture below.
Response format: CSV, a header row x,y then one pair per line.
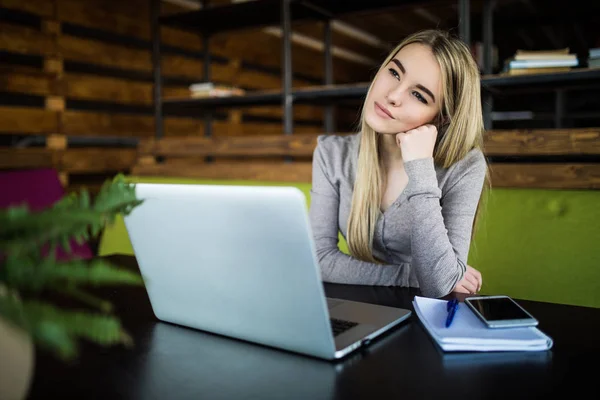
x,y
441,233
336,266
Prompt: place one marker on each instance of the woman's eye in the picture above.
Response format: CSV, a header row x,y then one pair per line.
x,y
394,73
419,97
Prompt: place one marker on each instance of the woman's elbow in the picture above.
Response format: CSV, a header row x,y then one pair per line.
x,y
436,290
443,284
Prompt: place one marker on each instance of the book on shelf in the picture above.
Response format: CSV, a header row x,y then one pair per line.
x,y
531,71
526,62
594,53
209,89
558,54
594,63
594,57
542,63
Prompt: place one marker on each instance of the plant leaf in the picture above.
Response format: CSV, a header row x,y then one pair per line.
x,y
58,330
28,274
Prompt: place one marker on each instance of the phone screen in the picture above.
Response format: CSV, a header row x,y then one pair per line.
x,y
499,309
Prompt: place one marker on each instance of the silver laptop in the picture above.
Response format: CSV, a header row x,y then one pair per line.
x,y
240,261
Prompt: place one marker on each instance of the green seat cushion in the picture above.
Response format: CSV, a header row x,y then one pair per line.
x,y
540,245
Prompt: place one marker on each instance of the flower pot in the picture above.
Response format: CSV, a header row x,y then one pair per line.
x,y
16,368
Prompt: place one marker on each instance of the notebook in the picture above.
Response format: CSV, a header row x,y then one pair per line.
x,y
468,333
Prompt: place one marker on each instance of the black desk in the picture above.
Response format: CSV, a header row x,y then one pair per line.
x,y
171,362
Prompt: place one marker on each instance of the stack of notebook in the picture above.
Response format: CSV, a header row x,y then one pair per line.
x,y
468,333
526,62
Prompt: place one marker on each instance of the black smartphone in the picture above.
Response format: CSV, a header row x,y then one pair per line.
x,y
500,312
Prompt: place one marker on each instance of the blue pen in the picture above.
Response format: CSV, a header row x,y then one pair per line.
x,y
451,307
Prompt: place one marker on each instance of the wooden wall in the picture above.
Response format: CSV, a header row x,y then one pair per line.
x,y
74,74
71,69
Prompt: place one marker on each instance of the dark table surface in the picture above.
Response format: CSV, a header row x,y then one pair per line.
x,y
172,362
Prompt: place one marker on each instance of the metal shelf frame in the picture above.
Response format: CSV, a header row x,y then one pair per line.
x,y
209,20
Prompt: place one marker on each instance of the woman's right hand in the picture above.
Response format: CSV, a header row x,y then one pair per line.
x,y
471,282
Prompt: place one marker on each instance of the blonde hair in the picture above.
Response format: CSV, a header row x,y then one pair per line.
x,y
461,111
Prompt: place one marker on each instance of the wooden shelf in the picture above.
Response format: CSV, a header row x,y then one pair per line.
x,y
305,95
577,76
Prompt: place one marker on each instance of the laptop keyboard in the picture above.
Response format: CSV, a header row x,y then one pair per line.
x,y
339,326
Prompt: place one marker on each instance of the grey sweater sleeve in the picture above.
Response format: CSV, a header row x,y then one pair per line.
x,y
441,226
336,266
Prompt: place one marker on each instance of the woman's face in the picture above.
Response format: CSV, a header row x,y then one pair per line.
x,y
406,93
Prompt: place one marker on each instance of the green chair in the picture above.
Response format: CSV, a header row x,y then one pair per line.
x,y
540,245
530,244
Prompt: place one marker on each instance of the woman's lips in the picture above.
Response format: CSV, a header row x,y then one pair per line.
x,y
382,111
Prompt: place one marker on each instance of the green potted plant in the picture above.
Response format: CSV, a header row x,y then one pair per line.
x,y
31,278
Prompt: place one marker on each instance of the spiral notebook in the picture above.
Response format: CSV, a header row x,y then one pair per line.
x,y
468,333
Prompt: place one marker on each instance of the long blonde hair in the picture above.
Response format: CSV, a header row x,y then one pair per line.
x,y
462,132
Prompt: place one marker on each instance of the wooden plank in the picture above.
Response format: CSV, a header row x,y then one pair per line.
x,y
25,40
189,127
543,142
27,81
129,18
11,158
42,8
181,39
192,68
85,123
79,160
301,112
55,103
93,87
264,146
96,160
245,46
54,65
546,176
110,55
56,142
27,120
275,172
531,176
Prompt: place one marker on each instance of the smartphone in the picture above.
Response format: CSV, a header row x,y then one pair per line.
x,y
500,312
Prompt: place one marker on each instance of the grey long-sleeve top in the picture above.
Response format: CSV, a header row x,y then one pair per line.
x,y
424,236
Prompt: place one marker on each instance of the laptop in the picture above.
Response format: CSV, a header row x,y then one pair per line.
x,y
240,261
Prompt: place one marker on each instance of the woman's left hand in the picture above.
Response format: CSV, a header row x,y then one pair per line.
x,y
417,143
471,282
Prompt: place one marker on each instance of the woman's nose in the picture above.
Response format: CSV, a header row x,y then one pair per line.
x,y
394,96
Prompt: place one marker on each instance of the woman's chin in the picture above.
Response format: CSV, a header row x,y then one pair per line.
x,y
379,126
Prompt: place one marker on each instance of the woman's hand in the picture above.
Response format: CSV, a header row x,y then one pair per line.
x,y
471,282
417,143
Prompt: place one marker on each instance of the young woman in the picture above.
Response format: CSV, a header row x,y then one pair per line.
x,y
404,190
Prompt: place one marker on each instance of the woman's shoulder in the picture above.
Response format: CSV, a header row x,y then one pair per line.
x,y
337,154
338,148
473,159
473,164
337,143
